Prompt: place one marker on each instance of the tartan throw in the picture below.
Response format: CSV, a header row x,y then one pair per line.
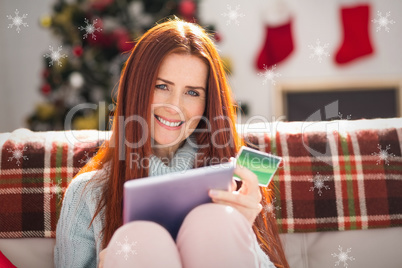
x,y
35,170
345,178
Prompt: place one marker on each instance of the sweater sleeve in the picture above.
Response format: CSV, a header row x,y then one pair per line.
x,y
75,240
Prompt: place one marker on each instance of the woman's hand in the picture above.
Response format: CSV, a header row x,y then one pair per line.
x,y
246,200
102,255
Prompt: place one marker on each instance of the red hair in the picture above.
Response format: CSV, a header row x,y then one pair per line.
x,y
134,98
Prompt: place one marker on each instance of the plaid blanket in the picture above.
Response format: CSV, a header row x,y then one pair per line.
x,y
35,170
332,178
339,175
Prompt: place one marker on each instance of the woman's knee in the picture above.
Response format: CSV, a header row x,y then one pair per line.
x,y
141,229
214,235
214,215
146,238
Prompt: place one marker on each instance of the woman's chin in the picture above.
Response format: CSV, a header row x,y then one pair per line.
x,y
164,142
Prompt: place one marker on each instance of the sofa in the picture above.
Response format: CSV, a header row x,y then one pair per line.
x,y
337,194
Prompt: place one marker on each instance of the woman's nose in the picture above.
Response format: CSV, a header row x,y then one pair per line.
x,y
173,104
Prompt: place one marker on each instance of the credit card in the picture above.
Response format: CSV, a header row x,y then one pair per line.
x,y
263,165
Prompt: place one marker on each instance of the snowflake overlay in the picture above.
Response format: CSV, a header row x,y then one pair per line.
x,y
319,50
383,155
90,29
18,155
17,21
233,15
54,189
55,56
319,183
126,248
87,159
349,116
269,74
343,256
270,207
383,21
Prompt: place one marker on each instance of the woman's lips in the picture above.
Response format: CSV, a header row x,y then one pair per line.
x,y
167,123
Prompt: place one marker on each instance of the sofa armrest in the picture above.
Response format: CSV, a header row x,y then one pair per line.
x,y
29,252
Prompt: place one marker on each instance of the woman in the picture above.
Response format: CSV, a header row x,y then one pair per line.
x,y
174,112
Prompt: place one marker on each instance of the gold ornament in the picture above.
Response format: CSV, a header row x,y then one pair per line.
x,y
88,122
45,111
46,21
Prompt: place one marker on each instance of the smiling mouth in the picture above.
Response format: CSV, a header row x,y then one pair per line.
x,y
168,123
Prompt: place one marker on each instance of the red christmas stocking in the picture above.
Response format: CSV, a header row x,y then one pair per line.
x,y
356,40
277,46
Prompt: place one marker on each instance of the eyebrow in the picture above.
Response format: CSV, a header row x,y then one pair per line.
x,y
171,83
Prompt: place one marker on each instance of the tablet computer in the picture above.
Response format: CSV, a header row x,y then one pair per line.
x,y
167,199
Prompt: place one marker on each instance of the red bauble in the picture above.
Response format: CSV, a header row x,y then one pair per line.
x,y
77,51
122,37
102,40
187,9
125,45
217,37
46,89
101,4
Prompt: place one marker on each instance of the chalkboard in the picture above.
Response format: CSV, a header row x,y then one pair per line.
x,y
352,104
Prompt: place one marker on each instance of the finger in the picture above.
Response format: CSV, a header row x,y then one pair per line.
x,y
250,214
250,181
234,198
251,206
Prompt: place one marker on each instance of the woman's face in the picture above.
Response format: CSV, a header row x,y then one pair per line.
x,y
179,100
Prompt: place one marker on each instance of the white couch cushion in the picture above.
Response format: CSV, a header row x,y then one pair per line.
x,y
369,248
29,252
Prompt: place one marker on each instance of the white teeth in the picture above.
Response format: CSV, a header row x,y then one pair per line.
x,y
167,123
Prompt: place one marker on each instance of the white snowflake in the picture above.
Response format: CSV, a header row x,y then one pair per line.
x,y
87,159
55,56
90,29
383,155
126,248
343,256
349,116
383,21
17,21
18,155
54,189
233,15
269,74
270,207
319,183
319,50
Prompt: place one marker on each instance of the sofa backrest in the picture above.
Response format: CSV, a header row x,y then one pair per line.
x,y
338,175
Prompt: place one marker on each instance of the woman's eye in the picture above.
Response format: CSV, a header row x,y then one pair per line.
x,y
161,86
193,93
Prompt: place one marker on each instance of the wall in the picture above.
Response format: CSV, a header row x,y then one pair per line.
x,y
21,61
312,19
21,54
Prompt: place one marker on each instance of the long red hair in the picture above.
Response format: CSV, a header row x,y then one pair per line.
x,y
134,98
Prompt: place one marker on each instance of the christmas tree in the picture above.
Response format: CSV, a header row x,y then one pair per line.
x,y
96,37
